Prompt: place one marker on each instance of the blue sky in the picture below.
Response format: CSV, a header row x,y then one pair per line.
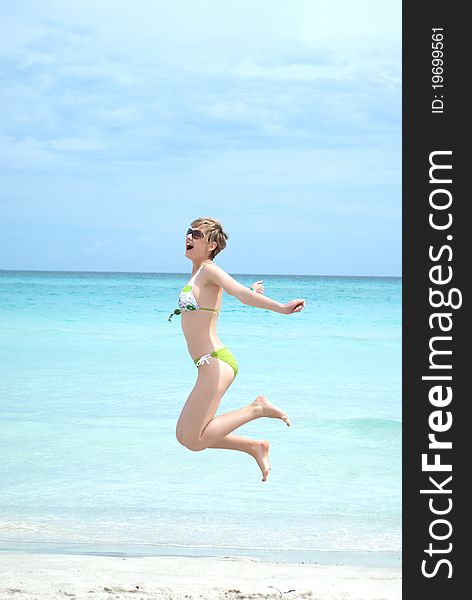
x,y
123,121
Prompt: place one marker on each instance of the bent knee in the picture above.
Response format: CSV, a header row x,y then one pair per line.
x,y
190,443
193,445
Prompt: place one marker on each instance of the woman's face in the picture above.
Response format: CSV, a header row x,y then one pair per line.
x,y
197,248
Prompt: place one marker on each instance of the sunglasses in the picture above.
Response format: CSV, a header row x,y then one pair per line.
x,y
196,233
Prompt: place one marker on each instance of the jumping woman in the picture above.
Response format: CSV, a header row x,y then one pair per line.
x,y
199,304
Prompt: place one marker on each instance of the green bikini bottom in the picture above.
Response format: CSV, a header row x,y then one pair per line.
x,y
223,354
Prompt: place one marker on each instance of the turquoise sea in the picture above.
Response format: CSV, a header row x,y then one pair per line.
x,y
93,378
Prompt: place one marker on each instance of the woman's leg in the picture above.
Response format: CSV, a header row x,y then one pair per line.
x,y
222,425
198,428
258,449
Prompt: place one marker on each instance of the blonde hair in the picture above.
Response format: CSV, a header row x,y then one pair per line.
x,y
213,230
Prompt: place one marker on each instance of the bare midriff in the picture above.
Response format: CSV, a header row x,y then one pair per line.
x,y
199,326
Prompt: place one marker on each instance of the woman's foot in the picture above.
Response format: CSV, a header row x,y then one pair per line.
x,y
261,454
267,409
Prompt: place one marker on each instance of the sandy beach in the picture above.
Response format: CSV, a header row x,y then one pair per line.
x,y
45,576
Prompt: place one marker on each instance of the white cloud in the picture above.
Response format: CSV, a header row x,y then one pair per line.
x,y
121,115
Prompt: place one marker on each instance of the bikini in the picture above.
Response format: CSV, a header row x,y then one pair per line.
x,y
187,301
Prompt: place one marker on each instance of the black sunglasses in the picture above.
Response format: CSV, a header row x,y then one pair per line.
x,y
196,233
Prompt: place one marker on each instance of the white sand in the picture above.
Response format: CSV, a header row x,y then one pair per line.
x,y
44,576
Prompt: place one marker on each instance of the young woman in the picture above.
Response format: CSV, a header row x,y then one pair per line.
x,y
199,304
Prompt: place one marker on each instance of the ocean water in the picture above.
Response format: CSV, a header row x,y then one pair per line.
x,y
93,378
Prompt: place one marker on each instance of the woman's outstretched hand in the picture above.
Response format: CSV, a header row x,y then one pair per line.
x,y
258,286
293,306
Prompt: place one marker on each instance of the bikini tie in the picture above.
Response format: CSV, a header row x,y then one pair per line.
x,y
203,359
177,311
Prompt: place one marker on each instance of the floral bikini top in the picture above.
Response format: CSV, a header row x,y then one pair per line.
x,y
187,300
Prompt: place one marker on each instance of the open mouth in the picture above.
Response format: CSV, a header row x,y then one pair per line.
x,y
189,246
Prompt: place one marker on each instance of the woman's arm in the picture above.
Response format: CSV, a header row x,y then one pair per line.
x,y
217,276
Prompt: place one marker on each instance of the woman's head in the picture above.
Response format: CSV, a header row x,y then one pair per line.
x,y
213,242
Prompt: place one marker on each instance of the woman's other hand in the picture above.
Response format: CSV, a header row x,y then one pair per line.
x,y
258,286
293,306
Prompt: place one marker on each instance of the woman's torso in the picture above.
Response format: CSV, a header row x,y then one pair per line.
x,y
199,326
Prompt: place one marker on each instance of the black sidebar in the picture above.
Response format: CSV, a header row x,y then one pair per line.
x,y
437,434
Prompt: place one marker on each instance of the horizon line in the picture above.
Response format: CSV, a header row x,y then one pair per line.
x,y
185,272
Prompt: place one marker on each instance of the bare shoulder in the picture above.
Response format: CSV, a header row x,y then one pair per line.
x,y
213,268
212,273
